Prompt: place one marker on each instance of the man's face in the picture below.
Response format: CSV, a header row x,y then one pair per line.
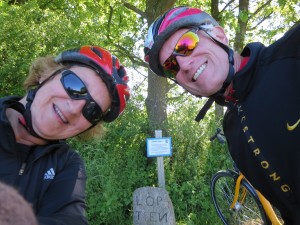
x,y
203,72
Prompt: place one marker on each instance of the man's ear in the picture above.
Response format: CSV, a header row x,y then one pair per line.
x,y
219,33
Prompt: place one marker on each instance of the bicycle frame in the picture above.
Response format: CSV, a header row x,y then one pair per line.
x,y
265,203
268,209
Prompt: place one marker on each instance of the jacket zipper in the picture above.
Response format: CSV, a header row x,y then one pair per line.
x,y
22,169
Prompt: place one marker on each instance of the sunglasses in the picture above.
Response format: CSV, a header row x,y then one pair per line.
x,y
77,90
184,47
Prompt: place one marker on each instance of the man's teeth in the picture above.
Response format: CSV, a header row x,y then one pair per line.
x,y
199,71
60,114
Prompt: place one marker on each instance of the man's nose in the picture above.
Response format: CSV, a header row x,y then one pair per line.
x,y
184,62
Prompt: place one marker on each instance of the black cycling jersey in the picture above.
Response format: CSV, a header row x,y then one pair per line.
x,y
51,177
267,98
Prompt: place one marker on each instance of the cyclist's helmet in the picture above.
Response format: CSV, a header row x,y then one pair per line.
x,y
166,25
108,67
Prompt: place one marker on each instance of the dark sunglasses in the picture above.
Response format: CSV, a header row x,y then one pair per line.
x,y
77,90
184,47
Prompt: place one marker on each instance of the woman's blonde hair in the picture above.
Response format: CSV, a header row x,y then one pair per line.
x,y
41,69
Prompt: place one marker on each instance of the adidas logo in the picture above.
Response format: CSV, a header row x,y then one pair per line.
x,y
49,175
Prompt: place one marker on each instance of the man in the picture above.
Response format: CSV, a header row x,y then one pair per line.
x,y
259,86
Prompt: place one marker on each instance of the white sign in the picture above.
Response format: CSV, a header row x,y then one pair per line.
x,y
159,147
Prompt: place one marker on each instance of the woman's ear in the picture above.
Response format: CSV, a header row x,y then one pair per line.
x,y
219,33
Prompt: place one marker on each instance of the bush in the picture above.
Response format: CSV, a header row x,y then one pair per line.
x,y
117,165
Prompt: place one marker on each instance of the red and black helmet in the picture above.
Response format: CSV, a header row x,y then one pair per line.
x,y
166,25
108,67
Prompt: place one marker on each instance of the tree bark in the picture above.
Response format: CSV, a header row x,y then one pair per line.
x,y
242,25
156,101
215,13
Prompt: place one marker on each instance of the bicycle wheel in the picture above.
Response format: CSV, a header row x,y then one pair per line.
x,y
247,211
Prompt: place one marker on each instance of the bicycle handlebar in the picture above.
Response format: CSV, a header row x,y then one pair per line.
x,y
219,135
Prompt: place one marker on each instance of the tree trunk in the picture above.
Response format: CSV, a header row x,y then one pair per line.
x,y
242,25
156,101
215,13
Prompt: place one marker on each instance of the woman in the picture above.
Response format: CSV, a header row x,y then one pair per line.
x,y
66,96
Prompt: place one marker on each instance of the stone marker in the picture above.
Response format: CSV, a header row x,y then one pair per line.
x,y
152,206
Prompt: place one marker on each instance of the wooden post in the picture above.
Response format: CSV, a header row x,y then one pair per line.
x,y
160,164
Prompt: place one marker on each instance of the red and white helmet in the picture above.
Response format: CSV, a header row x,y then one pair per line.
x,y
166,25
108,67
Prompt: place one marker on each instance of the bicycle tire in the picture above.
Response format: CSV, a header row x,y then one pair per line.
x,y
244,213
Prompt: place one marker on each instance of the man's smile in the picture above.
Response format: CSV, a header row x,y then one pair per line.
x,y
199,71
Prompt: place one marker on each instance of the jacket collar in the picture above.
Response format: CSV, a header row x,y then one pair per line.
x,y
7,139
243,80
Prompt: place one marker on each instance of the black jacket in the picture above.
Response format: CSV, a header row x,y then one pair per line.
x,y
51,177
268,94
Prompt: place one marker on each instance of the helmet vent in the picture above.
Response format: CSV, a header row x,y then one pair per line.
x,y
97,52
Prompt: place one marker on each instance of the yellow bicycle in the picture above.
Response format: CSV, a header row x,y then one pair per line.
x,y
236,201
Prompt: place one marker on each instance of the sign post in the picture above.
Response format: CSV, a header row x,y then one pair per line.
x,y
160,165
152,205
159,147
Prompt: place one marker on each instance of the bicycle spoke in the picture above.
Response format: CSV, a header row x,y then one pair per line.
x,y
247,210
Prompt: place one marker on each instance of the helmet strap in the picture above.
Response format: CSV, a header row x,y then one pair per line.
x,y
204,109
16,105
27,113
30,97
230,54
229,78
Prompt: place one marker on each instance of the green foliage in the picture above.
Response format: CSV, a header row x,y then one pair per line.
x,y
194,160
41,28
243,16
117,164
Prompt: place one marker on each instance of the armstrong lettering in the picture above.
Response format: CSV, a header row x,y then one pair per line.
x,y
274,176
265,165
256,151
285,188
251,139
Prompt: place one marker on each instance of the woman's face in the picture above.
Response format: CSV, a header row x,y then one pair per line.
x,y
203,72
55,115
